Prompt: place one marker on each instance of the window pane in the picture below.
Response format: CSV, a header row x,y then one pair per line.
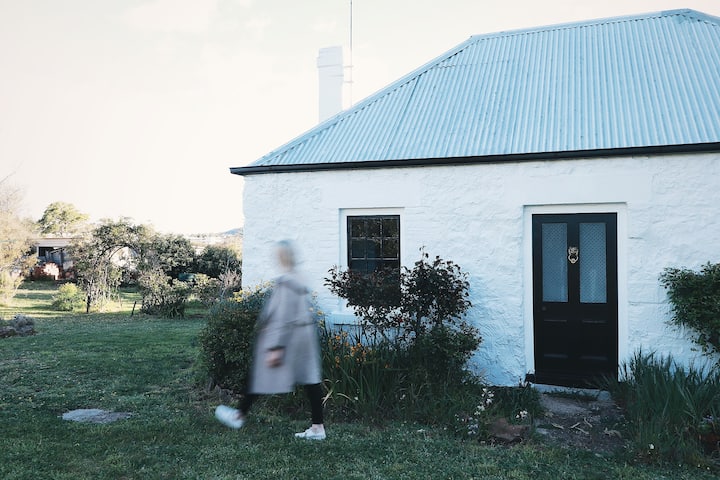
x,y
374,227
357,227
358,266
391,227
390,248
554,262
372,246
357,248
593,265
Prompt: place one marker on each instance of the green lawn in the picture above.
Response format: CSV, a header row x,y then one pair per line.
x,y
145,366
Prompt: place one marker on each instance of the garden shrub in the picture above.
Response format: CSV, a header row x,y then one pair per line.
x,y
68,298
226,342
214,260
408,355
206,289
162,295
695,299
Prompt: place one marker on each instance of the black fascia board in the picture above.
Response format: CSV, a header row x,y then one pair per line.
x,y
504,158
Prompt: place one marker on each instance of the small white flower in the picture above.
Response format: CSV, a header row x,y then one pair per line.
x,y
651,446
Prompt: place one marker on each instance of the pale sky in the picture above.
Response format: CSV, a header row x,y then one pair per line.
x,y
138,108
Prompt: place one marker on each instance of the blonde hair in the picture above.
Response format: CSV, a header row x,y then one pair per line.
x,y
286,254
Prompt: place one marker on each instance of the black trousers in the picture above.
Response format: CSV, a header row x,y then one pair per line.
x,y
313,392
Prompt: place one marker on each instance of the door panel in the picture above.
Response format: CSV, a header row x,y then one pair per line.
x,y
575,297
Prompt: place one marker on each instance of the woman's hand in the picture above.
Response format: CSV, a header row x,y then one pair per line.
x,y
274,358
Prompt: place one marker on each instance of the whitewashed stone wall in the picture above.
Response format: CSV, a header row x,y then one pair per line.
x,y
479,216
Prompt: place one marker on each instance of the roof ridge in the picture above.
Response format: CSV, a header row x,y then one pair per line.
x,y
598,21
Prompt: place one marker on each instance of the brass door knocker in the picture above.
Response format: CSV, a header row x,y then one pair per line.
x,y
573,255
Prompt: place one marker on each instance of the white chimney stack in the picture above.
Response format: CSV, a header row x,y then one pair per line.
x,y
331,81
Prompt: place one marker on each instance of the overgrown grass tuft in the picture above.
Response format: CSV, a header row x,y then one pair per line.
x,y
672,410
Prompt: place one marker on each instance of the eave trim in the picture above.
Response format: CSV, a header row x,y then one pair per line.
x,y
504,158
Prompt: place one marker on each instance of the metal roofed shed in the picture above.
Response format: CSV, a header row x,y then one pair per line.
x,y
594,88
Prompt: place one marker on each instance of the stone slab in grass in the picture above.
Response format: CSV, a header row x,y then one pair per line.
x,y
94,415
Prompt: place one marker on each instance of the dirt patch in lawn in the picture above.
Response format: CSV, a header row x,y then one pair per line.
x,y
580,422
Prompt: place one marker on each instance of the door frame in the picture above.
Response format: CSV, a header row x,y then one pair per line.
x,y
620,209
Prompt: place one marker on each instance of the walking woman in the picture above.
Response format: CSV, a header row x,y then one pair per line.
x,y
287,349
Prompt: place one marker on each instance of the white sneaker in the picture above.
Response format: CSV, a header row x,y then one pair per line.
x,y
228,416
311,434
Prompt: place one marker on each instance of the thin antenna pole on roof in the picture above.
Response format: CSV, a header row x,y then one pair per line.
x,y
350,67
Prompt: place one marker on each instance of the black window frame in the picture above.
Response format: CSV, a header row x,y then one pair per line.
x,y
373,243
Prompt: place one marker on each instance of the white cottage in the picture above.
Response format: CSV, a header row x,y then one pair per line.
x,y
562,167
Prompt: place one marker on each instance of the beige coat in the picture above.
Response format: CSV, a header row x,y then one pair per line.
x,y
286,321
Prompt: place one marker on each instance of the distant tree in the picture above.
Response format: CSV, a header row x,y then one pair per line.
x,y
156,259
16,241
171,254
216,260
95,257
62,219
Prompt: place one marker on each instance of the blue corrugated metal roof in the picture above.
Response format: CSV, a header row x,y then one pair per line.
x,y
639,81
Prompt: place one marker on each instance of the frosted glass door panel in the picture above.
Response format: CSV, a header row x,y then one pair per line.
x,y
554,262
593,271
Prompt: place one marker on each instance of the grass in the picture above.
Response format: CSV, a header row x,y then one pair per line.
x,y
145,366
667,405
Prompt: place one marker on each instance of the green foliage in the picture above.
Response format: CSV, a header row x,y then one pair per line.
x,y
518,403
16,241
112,250
60,218
375,298
210,290
695,299
97,258
162,295
360,378
227,340
672,410
409,355
172,254
206,289
407,303
9,284
434,294
68,298
218,259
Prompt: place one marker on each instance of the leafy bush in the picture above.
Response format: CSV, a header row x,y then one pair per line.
x,y
409,354
226,342
162,295
217,259
671,410
9,284
206,289
419,311
695,299
68,298
374,296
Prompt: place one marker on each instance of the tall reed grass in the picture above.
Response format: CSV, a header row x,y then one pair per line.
x,y
672,410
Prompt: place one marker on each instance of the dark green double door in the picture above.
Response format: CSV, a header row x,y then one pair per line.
x,y
575,298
